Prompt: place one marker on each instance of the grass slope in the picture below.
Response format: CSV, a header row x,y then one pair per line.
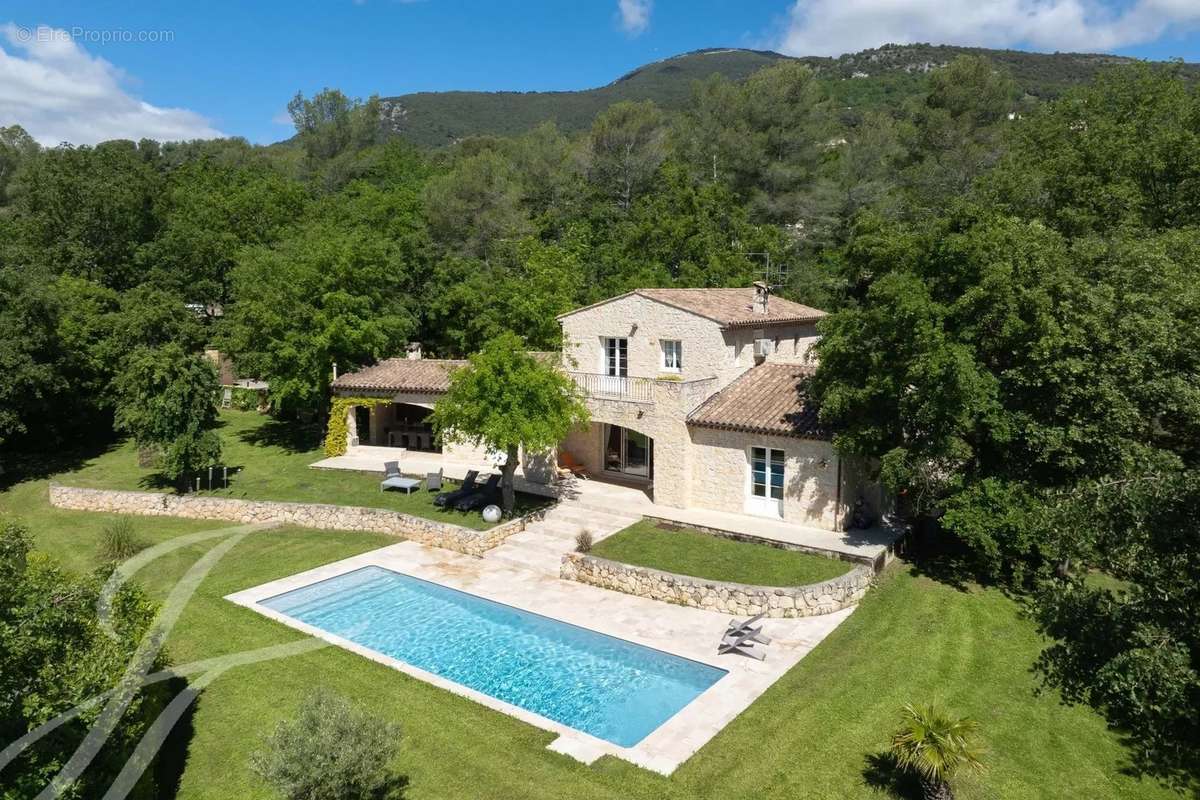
x,y
272,458
690,552
813,735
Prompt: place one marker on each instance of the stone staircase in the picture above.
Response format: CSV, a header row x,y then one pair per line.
x,y
540,547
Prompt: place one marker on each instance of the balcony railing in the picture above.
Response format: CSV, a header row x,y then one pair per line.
x,y
612,387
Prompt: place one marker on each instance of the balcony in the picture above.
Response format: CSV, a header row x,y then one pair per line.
x,y
671,397
611,387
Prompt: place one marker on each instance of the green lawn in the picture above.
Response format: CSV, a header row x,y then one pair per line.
x,y
812,735
689,552
269,460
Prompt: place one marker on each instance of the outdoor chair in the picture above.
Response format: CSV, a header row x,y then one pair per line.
x,y
448,499
433,480
391,469
567,465
480,497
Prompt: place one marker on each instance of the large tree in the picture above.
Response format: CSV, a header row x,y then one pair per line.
x,y
326,295
476,204
86,211
1127,639
1026,369
167,400
627,143
209,210
509,401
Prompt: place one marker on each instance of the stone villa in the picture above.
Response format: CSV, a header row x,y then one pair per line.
x,y
695,397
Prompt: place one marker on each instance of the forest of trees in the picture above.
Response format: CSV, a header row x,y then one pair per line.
x,y
1015,291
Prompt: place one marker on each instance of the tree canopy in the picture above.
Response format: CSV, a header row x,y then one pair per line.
x,y
511,402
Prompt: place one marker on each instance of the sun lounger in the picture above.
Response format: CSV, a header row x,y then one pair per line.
x,y
481,496
740,627
742,645
448,499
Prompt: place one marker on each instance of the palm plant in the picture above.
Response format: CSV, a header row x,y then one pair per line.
x,y
937,747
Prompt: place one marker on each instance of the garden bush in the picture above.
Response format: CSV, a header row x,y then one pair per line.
x,y
331,750
119,542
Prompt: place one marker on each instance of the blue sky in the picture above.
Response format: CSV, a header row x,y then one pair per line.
x,y
231,67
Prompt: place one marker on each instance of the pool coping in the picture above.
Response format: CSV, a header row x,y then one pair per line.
x,y
675,631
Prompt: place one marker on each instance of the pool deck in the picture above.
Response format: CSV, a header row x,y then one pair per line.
x,y
687,632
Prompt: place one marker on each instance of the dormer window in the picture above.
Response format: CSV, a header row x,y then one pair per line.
x,y
672,355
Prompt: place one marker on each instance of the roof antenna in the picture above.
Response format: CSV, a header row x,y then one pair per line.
x,y
773,277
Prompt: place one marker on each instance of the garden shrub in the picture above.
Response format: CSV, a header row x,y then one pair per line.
x,y
118,541
331,750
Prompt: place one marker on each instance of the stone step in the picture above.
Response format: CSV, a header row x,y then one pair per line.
x,y
566,531
613,505
525,559
539,541
599,518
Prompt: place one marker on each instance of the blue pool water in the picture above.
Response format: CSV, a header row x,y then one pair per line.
x,y
613,689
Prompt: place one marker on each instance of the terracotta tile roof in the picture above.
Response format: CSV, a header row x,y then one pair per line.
x,y
428,375
764,399
731,308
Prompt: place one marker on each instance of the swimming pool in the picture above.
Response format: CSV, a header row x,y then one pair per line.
x,y
604,686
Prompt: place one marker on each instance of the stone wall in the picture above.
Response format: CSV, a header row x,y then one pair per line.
x,y
732,598
306,515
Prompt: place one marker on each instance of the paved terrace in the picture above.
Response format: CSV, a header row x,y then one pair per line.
x,y
873,546
687,632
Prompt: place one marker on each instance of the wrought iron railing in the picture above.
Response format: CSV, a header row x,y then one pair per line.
x,y
614,387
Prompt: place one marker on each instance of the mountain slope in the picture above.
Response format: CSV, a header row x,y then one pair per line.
x,y
881,76
436,118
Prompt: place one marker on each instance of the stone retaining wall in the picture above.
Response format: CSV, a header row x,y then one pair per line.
x,y
734,598
305,515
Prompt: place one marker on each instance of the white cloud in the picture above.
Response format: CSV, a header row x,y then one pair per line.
x,y
58,92
635,15
833,27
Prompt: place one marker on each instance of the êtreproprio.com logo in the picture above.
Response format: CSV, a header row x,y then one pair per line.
x,y
46,34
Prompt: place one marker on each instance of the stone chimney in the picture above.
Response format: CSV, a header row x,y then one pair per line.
x,y
761,293
414,351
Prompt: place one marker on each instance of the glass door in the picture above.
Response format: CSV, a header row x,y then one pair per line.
x,y
637,454
627,452
765,490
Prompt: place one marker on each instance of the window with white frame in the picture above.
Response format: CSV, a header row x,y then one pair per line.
x,y
616,357
672,355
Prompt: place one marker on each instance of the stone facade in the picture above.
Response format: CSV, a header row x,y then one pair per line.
x,y
708,351
732,598
721,475
696,467
305,515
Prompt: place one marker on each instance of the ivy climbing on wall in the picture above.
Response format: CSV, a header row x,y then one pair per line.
x,y
335,435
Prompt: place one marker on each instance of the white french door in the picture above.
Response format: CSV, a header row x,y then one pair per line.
x,y
616,366
764,490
